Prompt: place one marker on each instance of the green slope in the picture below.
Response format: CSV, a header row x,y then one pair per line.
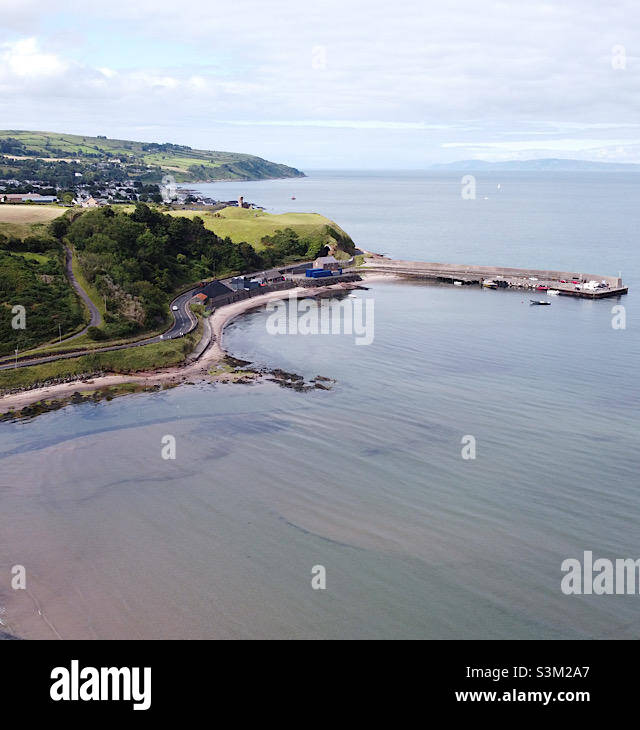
x,y
186,164
244,224
36,282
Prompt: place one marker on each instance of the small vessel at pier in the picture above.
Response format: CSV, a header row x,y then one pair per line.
x,y
593,286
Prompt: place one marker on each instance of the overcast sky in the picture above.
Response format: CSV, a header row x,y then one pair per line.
x,y
332,83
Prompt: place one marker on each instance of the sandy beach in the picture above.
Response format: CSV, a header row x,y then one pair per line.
x,y
186,372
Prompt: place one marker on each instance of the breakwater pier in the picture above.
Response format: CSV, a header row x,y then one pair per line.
x,y
565,283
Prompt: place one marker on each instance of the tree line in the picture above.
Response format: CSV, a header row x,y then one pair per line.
x,y
137,260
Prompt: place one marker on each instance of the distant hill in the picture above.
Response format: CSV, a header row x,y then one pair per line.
x,y
184,163
548,164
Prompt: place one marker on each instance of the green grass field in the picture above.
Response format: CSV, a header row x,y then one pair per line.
x,y
41,258
243,224
80,344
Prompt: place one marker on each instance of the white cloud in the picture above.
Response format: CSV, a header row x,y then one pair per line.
x,y
19,16
338,124
29,71
409,75
23,59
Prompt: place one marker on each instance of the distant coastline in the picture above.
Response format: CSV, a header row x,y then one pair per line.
x,y
146,160
550,164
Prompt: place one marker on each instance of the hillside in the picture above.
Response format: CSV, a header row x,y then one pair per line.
x,y
37,282
252,226
184,163
137,260
132,259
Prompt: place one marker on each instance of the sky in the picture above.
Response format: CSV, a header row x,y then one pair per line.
x,y
332,84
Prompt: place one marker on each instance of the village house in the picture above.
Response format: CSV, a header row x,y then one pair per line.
x,y
325,262
201,298
90,203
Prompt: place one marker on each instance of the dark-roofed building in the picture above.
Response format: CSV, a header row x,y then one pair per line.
x,y
216,289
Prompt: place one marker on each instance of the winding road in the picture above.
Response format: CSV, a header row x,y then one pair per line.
x,y
96,317
184,321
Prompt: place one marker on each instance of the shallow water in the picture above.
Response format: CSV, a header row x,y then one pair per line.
x,y
366,480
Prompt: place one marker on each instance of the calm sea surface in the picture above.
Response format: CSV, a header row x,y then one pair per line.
x,y
366,480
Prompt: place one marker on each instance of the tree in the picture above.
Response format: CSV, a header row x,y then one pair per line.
x,y
96,334
59,227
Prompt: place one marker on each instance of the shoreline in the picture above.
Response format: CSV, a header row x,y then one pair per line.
x,y
214,354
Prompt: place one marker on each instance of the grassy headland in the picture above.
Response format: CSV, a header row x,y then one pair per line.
x,y
131,260
184,163
257,226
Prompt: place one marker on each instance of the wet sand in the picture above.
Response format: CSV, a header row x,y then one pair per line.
x,y
178,374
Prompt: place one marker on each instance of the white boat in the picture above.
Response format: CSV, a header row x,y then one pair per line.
x,y
552,292
457,283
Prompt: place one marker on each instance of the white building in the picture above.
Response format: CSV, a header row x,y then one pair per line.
x,y
324,262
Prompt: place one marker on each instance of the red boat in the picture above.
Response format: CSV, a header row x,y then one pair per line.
x,y
542,288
